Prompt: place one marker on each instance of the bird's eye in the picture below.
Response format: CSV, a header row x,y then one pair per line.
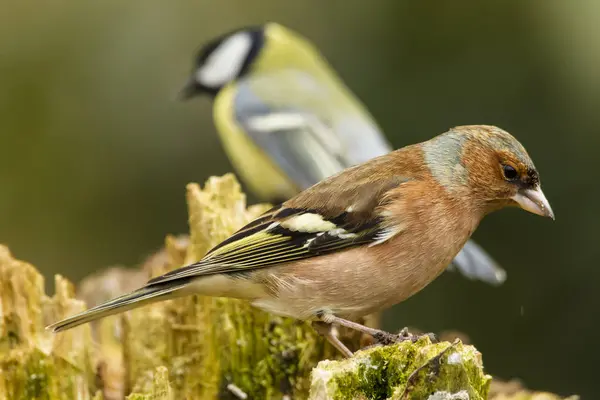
x,y
510,173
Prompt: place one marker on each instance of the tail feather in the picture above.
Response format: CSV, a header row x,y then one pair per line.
x,y
146,295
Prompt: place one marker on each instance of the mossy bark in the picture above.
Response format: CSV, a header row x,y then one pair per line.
x,y
404,370
34,364
199,347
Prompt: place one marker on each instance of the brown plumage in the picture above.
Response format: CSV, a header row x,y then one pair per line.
x,y
362,240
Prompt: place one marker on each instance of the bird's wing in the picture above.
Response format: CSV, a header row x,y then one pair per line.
x,y
297,230
301,144
309,127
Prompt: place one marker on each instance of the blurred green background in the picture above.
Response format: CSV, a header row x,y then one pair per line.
x,y
95,151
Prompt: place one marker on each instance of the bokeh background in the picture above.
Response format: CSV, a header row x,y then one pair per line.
x,y
95,151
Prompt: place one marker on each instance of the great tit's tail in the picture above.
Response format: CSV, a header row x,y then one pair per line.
x,y
145,295
474,263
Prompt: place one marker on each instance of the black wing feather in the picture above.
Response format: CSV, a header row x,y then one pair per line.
x,y
265,242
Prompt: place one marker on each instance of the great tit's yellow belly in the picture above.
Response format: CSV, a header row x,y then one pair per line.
x,y
262,176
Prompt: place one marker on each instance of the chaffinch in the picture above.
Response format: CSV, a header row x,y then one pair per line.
x,y
362,240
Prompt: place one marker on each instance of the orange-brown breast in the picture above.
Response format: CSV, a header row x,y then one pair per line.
x,y
432,226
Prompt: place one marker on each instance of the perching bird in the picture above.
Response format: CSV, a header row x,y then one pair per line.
x,y
362,240
287,121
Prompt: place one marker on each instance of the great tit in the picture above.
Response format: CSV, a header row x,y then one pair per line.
x,y
287,121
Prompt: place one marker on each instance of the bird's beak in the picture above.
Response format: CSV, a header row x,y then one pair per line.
x,y
189,90
534,201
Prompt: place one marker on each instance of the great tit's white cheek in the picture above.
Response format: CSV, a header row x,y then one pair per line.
x,y
226,61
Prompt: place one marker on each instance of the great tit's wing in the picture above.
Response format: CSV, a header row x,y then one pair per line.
x,y
302,145
308,128
474,263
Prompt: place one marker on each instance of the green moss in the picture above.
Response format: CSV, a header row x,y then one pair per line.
x,y
37,382
266,356
27,375
403,371
34,375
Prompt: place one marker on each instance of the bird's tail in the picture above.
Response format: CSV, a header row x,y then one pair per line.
x,y
145,295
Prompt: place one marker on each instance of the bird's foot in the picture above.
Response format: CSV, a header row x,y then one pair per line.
x,y
386,338
381,337
404,335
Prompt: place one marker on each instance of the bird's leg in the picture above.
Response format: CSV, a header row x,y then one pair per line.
x,y
380,336
326,330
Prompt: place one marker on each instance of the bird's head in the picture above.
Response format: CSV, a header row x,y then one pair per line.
x,y
490,166
223,60
256,49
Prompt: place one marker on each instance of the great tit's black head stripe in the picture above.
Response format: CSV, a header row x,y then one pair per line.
x,y
227,58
